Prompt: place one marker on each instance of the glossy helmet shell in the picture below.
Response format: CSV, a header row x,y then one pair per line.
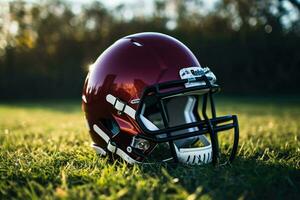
x,y
124,70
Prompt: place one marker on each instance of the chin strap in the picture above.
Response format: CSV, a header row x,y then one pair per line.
x,y
111,147
121,106
199,155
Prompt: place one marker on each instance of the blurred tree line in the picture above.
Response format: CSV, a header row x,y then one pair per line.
x,y
252,46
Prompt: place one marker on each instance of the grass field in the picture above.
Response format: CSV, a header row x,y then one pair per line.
x,y
45,154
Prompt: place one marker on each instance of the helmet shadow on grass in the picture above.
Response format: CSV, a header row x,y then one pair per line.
x,y
248,178
245,178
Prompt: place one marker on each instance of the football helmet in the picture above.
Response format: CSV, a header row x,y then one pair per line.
x,y
146,99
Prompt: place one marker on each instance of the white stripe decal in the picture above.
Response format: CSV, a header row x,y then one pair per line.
x,y
120,106
101,133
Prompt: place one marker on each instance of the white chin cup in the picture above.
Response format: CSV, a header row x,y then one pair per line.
x,y
194,156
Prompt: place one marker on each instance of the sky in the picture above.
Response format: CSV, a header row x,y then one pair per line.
x,y
112,3
146,4
134,8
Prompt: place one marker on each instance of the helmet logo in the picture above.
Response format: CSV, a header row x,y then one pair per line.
x,y
191,73
197,72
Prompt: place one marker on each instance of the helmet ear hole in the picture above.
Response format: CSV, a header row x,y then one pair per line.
x,y
111,125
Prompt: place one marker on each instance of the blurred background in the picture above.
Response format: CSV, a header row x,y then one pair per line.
x,y
46,46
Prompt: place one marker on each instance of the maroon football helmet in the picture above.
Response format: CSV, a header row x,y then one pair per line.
x,y
142,101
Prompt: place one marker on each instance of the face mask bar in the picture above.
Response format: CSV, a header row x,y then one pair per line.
x,y
158,92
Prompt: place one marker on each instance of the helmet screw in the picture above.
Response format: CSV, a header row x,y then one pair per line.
x,y
129,149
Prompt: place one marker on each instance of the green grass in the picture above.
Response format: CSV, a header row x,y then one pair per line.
x,y
45,154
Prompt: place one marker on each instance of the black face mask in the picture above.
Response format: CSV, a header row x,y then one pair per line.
x,y
166,106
